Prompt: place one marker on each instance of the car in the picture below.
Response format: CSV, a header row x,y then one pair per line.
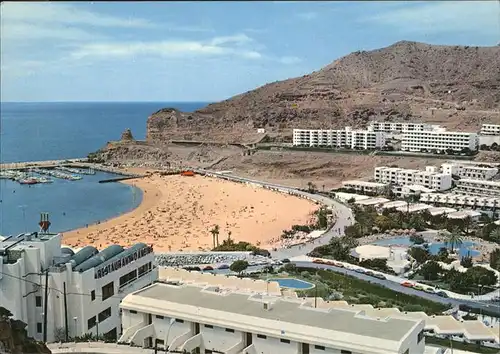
x,y
418,287
285,260
223,266
208,268
370,273
379,276
318,261
359,270
429,290
442,294
339,265
330,263
407,284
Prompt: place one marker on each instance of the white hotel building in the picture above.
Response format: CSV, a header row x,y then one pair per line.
x,y
352,139
393,127
469,171
438,140
84,288
210,320
430,178
490,129
478,187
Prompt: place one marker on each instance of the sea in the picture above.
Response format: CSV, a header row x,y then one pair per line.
x,y
64,130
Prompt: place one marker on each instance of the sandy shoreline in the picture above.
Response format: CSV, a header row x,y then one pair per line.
x,y
177,213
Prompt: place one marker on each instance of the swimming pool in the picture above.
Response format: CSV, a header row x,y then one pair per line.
x,y
293,283
466,248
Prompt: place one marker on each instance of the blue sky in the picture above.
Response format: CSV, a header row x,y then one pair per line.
x,y
208,51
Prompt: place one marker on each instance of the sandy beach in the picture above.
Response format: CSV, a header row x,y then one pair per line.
x,y
178,212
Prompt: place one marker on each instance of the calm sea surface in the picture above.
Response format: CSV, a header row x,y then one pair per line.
x,y
52,131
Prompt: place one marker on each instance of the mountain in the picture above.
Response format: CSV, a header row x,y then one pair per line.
x,y
456,86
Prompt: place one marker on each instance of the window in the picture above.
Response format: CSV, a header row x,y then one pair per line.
x,y
209,326
108,290
105,314
127,278
91,322
420,336
160,317
230,330
284,341
133,311
39,327
261,336
38,301
92,295
179,320
144,269
345,351
320,347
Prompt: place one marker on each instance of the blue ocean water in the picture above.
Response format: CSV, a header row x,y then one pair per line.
x,y
50,131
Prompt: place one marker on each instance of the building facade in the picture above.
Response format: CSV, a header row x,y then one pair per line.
x,y
208,320
469,171
393,127
346,138
478,187
84,288
490,129
468,201
366,187
431,178
438,141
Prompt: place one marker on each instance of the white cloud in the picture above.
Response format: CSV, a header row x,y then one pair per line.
x,y
479,17
215,47
308,16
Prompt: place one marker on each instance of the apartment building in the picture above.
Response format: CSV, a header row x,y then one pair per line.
x,y
469,171
438,140
490,129
430,178
394,127
190,318
365,187
84,288
459,200
478,187
352,139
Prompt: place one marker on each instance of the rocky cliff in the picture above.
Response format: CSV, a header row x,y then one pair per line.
x,y
14,338
456,86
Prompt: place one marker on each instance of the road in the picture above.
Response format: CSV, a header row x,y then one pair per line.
x,y
345,218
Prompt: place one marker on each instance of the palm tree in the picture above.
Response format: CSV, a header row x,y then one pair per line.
x,y
495,235
229,233
215,235
311,187
494,209
453,238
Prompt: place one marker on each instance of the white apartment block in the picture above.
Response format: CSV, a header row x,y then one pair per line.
x,y
89,284
478,187
490,129
352,139
392,127
430,178
458,200
469,171
209,320
438,140
366,187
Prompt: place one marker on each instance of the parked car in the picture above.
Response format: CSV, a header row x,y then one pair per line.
x,y
407,284
429,290
339,265
223,266
285,260
318,261
208,268
442,294
359,270
418,287
370,273
379,276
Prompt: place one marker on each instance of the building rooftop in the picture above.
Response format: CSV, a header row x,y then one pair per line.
x,y
462,214
395,204
441,210
365,183
372,201
283,314
414,208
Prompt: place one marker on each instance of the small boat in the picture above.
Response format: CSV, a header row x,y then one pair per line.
x,y
28,181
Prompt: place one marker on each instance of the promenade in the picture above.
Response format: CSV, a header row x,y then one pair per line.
x,y
49,163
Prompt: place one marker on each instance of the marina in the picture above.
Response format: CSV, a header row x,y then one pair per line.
x,y
39,175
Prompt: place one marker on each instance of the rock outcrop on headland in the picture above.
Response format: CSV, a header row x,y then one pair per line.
x,y
456,86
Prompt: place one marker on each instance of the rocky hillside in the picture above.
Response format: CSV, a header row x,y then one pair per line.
x,y
449,85
14,339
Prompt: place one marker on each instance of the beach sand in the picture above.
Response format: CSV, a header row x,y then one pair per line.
x,y
177,213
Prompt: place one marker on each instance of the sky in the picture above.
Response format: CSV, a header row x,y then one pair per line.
x,y
208,51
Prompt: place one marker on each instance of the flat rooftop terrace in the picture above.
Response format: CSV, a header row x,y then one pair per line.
x,y
282,311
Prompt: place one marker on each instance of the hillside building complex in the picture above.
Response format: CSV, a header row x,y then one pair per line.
x,y
438,141
208,320
431,178
461,200
84,289
346,138
393,127
490,129
366,187
469,171
478,187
